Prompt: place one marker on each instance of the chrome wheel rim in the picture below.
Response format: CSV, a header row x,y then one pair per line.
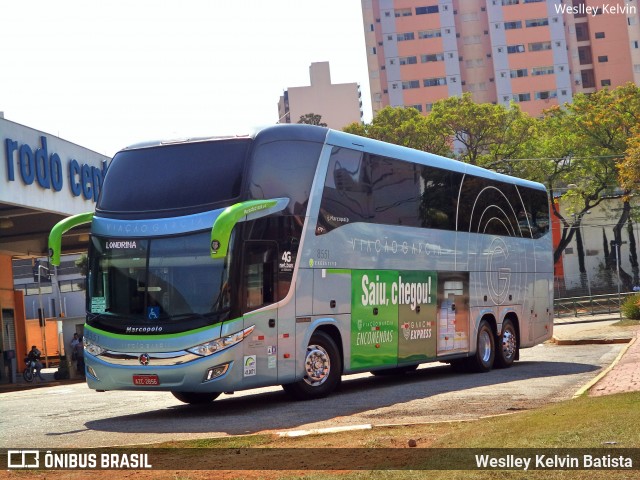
x,y
508,344
484,346
317,366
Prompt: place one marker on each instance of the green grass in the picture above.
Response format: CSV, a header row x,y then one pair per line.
x,y
585,422
626,323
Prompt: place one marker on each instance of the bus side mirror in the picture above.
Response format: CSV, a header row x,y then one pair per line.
x,y
59,229
240,212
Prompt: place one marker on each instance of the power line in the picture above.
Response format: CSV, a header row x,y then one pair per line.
x,y
591,157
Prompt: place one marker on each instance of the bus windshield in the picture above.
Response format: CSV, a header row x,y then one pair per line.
x,y
156,281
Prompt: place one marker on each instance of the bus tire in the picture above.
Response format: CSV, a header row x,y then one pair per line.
x,y
195,398
506,345
323,369
482,360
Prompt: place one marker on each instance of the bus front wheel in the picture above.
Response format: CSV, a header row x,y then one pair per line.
x,y
322,369
195,398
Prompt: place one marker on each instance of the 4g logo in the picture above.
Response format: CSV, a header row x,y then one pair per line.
x,y
286,262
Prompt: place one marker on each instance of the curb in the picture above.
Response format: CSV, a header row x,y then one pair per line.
x,y
591,341
19,387
319,431
602,374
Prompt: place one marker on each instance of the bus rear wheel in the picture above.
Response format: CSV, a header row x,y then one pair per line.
x,y
195,398
482,360
323,369
507,345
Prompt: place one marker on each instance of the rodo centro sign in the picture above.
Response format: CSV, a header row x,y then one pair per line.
x,y
40,166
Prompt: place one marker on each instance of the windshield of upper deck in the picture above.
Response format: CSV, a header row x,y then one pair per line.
x,y
195,176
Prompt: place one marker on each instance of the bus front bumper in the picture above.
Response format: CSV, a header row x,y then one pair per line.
x,y
215,373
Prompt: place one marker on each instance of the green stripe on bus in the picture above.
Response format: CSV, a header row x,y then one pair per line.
x,y
338,271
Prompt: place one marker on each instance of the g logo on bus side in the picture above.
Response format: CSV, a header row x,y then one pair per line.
x,y
498,271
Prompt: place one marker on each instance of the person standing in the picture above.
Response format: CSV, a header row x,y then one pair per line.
x,y
74,343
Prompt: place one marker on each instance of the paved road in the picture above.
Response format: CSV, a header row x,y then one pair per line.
x,y
74,416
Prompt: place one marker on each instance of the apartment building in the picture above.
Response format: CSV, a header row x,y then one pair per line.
x,y
536,53
338,104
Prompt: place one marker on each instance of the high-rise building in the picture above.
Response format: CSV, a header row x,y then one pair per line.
x,y
337,104
536,53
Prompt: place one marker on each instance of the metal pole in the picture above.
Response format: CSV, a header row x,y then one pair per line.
x,y
44,318
618,268
61,315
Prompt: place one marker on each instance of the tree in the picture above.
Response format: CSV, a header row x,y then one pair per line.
x,y
312,119
580,146
629,168
488,133
82,264
608,122
404,126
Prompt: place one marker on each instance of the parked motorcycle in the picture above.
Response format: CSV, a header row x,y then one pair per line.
x,y
29,372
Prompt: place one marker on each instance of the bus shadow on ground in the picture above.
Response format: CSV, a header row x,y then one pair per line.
x,y
357,395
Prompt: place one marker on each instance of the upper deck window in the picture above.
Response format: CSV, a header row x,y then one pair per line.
x,y
370,188
186,176
284,169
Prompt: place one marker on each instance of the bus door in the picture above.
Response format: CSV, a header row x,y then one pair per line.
x,y
259,297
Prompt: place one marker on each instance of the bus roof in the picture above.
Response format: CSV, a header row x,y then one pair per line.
x,y
347,140
263,135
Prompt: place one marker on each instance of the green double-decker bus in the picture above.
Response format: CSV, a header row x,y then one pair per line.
x,y
300,254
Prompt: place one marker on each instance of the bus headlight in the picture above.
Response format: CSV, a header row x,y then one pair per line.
x,y
209,348
92,348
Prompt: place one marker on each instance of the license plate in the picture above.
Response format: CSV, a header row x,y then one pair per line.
x,y
146,380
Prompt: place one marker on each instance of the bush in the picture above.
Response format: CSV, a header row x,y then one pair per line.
x,y
631,307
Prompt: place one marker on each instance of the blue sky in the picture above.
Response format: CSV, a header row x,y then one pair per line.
x,y
108,74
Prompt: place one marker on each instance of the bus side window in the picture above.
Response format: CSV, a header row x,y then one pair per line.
x,y
259,274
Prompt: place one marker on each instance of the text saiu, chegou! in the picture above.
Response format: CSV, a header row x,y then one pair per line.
x,y
374,292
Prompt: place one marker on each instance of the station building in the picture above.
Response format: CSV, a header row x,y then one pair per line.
x,y
43,179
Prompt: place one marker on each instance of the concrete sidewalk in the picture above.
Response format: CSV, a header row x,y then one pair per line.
x,y
623,375
49,381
